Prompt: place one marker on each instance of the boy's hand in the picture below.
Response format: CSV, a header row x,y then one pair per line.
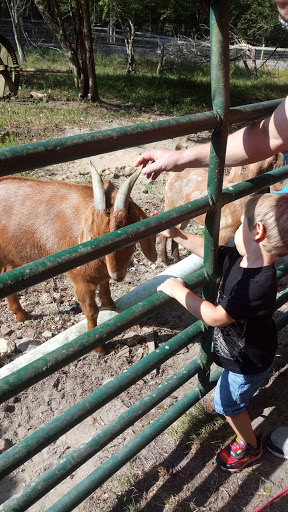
x,y
172,287
168,233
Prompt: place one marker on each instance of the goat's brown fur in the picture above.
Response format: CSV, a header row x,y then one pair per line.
x,y
191,184
40,217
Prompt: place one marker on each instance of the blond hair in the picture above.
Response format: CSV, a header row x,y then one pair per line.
x,y
272,211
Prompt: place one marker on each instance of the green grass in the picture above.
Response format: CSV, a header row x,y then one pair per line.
x,y
144,96
195,425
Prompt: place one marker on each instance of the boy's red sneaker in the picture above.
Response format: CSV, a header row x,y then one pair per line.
x,y
238,454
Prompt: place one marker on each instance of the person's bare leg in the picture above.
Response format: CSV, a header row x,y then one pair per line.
x,y
242,427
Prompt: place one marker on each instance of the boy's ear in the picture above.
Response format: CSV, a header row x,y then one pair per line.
x,y
259,232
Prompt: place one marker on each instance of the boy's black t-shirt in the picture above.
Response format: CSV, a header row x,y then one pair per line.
x,y
248,295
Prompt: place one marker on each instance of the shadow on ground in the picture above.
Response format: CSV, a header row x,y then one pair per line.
x,y
188,479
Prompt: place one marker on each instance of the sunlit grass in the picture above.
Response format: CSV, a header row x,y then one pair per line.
x,y
183,89
195,425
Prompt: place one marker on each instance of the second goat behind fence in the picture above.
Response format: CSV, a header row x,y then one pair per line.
x,y
190,184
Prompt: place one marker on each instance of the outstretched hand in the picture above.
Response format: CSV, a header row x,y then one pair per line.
x,y
159,160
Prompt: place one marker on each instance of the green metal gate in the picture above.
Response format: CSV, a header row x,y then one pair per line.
x,y
31,156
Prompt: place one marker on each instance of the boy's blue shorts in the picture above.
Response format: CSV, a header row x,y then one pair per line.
x,y
234,390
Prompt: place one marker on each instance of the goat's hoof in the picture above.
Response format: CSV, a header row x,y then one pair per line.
x,y
100,351
76,308
22,316
109,308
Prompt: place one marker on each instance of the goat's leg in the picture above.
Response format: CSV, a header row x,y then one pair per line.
x,y
174,246
163,249
175,251
15,307
85,293
105,296
13,302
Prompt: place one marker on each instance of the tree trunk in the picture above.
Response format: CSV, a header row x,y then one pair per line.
x,y
161,58
13,7
79,43
84,77
129,33
88,40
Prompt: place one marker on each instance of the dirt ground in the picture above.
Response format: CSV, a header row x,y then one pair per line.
x,y
170,474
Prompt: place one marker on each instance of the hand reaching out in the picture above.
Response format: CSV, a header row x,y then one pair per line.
x,y
168,233
158,160
172,286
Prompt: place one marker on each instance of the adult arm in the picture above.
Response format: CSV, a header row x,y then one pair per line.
x,y
253,143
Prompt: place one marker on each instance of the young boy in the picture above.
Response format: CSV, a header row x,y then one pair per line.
x,y
245,338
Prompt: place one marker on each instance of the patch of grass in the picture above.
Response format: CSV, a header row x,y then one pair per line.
x,y
268,85
45,58
123,484
183,89
195,425
7,140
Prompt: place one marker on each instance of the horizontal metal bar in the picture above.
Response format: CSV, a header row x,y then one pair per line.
x,y
253,185
33,273
82,490
253,111
37,441
282,298
40,154
56,359
282,270
57,473
282,321
27,157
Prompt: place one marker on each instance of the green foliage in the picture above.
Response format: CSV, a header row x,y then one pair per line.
x,y
136,10
252,21
7,140
246,20
183,17
255,21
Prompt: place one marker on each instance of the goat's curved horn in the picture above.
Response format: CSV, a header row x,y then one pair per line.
x,y
98,189
122,198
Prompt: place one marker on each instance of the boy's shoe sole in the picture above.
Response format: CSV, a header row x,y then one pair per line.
x,y
241,463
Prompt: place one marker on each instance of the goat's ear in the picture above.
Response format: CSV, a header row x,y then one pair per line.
x,y
148,245
86,225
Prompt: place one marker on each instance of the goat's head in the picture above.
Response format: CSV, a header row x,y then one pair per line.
x,y
112,210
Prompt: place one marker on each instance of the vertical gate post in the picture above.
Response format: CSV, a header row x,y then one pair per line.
x,y
219,41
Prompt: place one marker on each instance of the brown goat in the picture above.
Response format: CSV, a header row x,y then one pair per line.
x,y
40,217
191,184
